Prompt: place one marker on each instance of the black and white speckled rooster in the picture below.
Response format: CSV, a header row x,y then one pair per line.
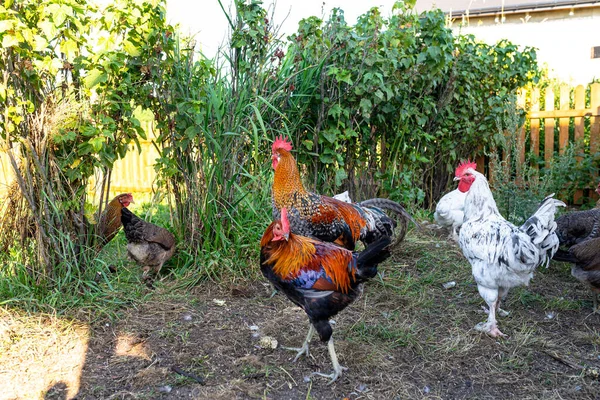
x,y
501,254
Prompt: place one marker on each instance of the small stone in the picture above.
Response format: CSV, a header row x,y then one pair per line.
x,y
449,285
437,245
219,302
426,389
550,315
362,387
577,388
165,389
253,327
306,379
267,342
187,317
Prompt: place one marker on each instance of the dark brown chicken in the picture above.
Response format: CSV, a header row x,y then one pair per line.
x,y
586,257
574,227
109,222
149,245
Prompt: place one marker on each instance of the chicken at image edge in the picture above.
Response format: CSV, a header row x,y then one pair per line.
x,y
578,235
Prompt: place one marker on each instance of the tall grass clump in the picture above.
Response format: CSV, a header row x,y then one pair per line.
x,y
216,120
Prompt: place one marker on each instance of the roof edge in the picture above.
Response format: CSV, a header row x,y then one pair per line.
x,y
519,8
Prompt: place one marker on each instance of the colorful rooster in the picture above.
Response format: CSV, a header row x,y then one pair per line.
x,y
326,218
320,277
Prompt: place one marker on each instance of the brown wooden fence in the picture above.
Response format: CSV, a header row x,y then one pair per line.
x,y
564,110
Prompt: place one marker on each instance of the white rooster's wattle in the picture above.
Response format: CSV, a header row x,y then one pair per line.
x,y
501,254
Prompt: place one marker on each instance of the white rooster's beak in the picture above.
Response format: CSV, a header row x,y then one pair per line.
x,y
456,178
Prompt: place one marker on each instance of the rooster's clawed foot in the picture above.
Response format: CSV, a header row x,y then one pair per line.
x,y
490,328
299,350
337,372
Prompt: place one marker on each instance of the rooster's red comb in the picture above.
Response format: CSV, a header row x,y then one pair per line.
x,y
281,143
463,166
285,224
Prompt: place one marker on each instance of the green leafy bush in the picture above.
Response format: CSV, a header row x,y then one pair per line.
x,y
390,105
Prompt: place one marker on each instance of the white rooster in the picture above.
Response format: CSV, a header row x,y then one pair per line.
x,y
449,211
502,255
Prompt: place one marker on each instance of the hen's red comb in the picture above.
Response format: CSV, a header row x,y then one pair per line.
x,y
285,224
463,166
281,143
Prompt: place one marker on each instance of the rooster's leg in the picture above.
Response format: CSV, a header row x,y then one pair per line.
x,y
337,368
502,292
304,348
491,298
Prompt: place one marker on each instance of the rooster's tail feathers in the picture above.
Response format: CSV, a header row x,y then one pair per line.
x,y
374,207
389,205
373,254
542,223
541,227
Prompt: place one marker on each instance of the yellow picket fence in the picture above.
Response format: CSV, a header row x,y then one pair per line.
x,y
133,173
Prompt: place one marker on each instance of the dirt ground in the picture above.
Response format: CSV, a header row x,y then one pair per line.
x,y
407,337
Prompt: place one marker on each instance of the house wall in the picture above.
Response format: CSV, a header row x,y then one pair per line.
x,y
564,38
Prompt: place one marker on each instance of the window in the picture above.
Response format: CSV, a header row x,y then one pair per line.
x,y
596,52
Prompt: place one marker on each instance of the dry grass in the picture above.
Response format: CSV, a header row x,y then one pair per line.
x,y
38,353
406,337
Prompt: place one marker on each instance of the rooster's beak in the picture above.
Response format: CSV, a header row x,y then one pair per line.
x,y
286,236
456,178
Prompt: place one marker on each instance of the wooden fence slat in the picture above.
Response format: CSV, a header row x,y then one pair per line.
x,y
563,137
535,124
521,103
549,128
579,123
595,121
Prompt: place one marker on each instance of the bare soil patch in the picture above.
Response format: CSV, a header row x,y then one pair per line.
x,y
407,337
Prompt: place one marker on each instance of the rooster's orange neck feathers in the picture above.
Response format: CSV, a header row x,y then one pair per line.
x,y
290,257
286,181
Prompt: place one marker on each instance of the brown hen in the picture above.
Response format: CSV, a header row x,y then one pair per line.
x,y
109,222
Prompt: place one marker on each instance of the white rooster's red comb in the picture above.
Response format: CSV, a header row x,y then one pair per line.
x,y
281,143
463,166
